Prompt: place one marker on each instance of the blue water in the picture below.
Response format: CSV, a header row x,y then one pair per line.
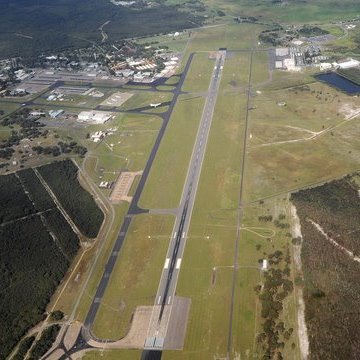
x,y
339,82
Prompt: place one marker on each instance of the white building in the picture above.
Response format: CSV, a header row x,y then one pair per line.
x,y
97,117
348,63
139,77
97,136
264,265
325,66
55,113
37,113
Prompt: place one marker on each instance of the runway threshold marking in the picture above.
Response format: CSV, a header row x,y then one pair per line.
x,y
178,264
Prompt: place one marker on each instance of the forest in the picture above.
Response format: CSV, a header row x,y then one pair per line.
x,y
61,176
45,342
331,274
14,202
37,245
39,196
45,26
31,267
66,237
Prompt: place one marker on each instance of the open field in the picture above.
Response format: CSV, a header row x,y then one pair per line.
x,y
170,165
145,98
209,255
176,44
198,77
7,107
112,355
136,275
232,36
213,227
300,136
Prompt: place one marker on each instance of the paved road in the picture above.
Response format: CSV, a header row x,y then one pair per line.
x,y
170,273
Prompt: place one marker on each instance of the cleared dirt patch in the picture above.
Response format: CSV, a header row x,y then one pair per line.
x,y
123,186
117,99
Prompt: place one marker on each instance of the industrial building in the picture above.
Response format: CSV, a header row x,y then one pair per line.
x,y
96,117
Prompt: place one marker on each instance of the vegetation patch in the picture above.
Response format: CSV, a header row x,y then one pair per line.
x,y
330,223
14,202
43,26
61,176
67,239
36,191
272,293
45,342
31,267
23,348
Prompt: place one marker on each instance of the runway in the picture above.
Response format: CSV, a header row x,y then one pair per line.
x,y
167,287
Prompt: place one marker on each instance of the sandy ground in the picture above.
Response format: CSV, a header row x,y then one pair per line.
x,y
71,334
302,329
349,111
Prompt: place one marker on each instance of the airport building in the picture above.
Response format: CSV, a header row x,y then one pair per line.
x,y
97,117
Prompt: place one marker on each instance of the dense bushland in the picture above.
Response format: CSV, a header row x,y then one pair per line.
x,y
14,202
331,277
61,176
57,224
45,342
31,267
38,194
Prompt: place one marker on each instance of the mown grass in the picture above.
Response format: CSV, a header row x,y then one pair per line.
x,y
213,226
164,186
145,98
136,276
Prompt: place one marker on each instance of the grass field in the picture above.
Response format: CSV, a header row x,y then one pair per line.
x,y
145,98
7,108
113,355
136,275
171,163
213,227
300,136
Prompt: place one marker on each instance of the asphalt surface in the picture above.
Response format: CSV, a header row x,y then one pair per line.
x,y
172,265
